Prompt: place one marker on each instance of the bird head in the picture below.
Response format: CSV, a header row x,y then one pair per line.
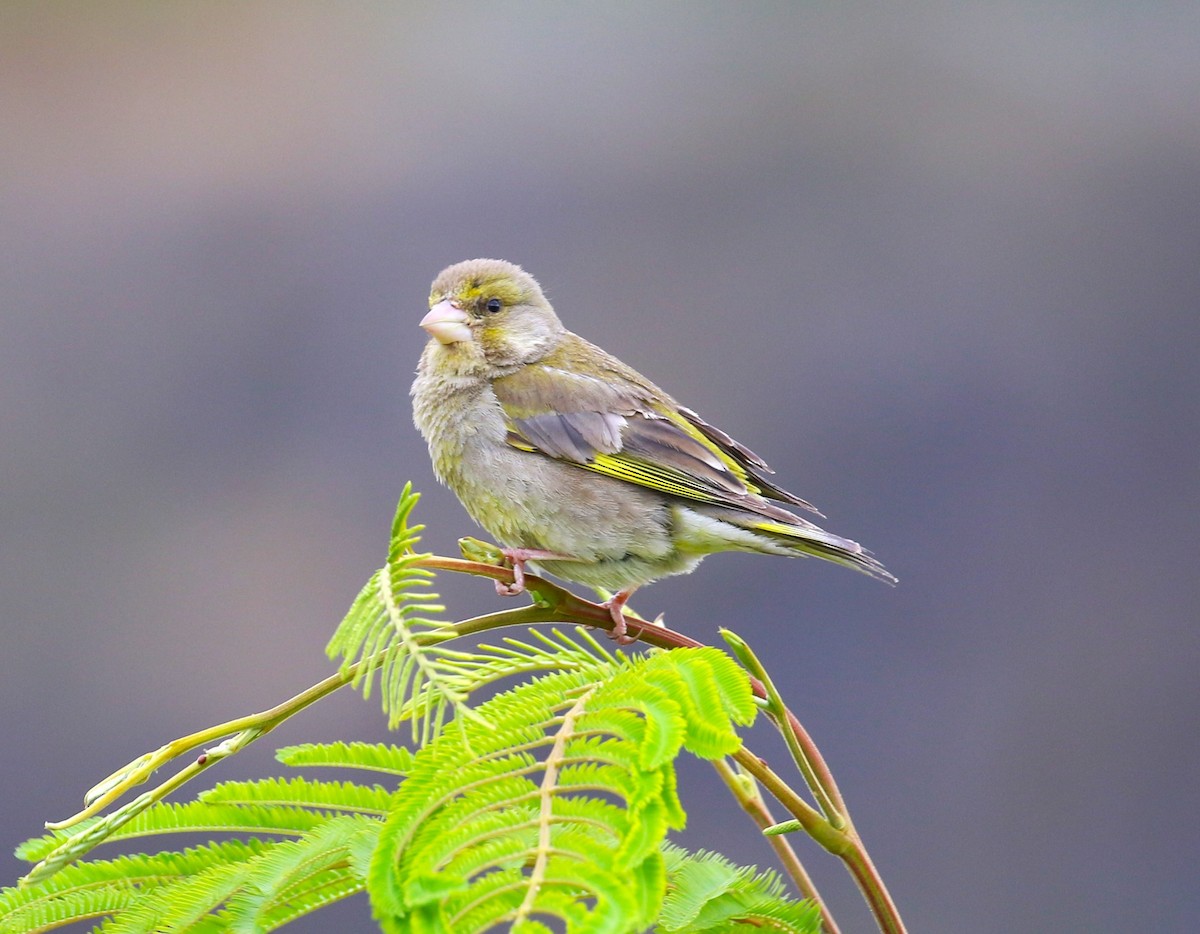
x,y
490,314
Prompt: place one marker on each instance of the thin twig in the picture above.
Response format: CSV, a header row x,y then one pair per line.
x,y
843,843
745,791
821,785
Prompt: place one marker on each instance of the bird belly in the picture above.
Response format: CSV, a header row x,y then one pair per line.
x,y
618,535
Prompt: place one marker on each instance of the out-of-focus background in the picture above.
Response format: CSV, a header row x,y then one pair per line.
x,y
939,264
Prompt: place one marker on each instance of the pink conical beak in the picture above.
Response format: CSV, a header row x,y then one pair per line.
x,y
446,323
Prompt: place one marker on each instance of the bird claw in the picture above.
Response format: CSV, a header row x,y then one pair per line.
x,y
504,588
616,609
508,590
615,605
517,558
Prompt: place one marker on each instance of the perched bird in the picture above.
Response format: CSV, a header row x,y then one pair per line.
x,y
578,464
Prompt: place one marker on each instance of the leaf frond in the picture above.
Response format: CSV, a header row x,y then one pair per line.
x,y
253,885
303,793
192,816
372,757
708,894
553,650
92,890
557,808
297,877
388,631
189,904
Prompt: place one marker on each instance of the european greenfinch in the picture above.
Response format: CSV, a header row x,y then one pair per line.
x,y
576,463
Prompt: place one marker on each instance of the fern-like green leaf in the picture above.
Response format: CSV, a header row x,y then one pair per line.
x,y
557,808
304,793
372,757
708,894
487,664
192,816
92,890
387,631
298,877
189,904
721,697
85,905
251,886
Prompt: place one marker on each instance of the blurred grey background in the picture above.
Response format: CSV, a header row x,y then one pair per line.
x,y
939,263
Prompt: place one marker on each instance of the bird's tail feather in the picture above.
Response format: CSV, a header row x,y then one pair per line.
x,y
809,539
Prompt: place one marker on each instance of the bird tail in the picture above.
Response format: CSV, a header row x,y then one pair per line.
x,y
805,538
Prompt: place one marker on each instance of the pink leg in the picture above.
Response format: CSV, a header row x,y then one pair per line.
x,y
517,557
616,608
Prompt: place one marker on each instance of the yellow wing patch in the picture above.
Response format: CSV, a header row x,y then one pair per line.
x,y
654,477
718,478
727,462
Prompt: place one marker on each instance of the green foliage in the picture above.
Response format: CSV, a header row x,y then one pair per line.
x,y
554,804
710,895
377,757
303,793
255,885
545,808
104,887
558,807
468,672
297,877
386,625
191,817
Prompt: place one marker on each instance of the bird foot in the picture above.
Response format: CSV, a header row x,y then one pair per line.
x,y
517,558
505,589
616,609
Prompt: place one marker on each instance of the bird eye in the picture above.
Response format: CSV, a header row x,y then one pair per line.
x,y
494,305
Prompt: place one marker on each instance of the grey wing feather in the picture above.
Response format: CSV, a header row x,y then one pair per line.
x,y
573,436
662,442
579,436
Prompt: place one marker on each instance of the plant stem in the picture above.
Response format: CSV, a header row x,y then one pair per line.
x,y
745,791
815,825
870,884
843,843
800,745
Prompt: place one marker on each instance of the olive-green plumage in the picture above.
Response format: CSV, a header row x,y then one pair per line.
x,y
554,446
